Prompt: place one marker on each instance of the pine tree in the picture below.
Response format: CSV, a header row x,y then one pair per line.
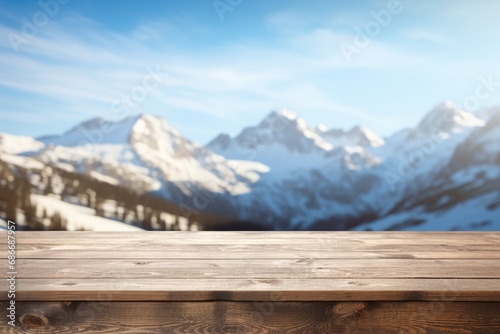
x,y
65,191
58,223
48,187
30,219
117,210
99,206
26,190
147,221
124,212
43,219
177,224
10,204
162,225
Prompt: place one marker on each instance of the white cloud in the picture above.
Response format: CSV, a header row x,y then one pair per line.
x,y
83,67
94,65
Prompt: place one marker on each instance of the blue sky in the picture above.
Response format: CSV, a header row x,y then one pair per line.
x,y
222,65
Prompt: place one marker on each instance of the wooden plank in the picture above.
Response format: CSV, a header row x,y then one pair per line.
x,y
240,266
261,235
271,269
479,237
319,243
247,289
211,240
167,247
222,253
249,251
257,317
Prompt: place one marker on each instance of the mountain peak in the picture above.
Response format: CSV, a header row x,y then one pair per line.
x,y
446,118
365,136
288,114
221,142
279,117
150,117
279,135
357,136
320,129
150,123
285,128
91,123
446,104
97,130
357,129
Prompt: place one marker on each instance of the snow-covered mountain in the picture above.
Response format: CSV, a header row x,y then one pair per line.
x,y
446,119
451,180
463,194
147,153
357,136
359,177
17,144
281,141
288,175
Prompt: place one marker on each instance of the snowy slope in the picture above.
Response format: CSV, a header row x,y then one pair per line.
x,y
283,173
458,184
444,120
95,131
21,161
357,136
149,153
480,213
405,170
159,146
282,141
79,217
310,178
18,144
480,147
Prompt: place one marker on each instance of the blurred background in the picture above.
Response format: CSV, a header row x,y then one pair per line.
x,y
250,115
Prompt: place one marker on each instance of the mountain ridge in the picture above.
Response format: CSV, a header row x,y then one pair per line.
x,y
282,172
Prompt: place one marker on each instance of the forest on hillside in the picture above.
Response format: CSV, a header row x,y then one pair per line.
x,y
20,186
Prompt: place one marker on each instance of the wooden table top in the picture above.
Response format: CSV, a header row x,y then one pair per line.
x,y
248,266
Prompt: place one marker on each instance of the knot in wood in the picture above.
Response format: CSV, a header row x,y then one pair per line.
x,y
348,309
31,320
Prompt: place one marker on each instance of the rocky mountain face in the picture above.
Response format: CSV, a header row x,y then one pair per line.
x,y
149,150
285,174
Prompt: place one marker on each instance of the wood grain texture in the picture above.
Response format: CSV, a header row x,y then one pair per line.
x,y
263,235
246,289
307,266
331,238
222,253
254,282
257,317
142,268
